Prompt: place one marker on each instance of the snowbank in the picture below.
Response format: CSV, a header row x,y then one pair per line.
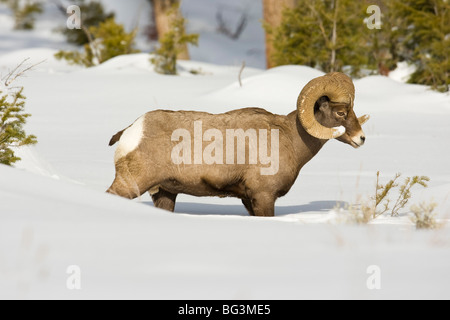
x,y
211,248
131,250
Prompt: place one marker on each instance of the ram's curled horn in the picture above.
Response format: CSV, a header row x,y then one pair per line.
x,y
338,88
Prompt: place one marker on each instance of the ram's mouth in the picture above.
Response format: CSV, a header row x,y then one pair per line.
x,y
358,142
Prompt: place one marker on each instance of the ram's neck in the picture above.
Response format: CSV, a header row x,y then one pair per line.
x,y
305,145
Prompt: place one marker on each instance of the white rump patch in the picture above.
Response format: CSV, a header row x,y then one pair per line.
x,y
130,138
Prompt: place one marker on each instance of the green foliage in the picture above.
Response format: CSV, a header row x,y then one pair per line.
x,y
12,120
426,36
418,32
24,13
92,14
327,35
74,57
108,40
171,44
415,31
384,47
113,40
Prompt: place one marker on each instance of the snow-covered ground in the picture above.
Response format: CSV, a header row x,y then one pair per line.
x,y
54,213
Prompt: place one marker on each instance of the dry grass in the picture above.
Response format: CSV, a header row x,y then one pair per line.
x,y
424,216
380,203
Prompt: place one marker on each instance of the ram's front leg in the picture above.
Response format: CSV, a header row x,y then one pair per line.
x,y
263,205
164,200
248,205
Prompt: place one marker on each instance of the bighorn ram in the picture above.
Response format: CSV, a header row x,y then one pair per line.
x,y
144,158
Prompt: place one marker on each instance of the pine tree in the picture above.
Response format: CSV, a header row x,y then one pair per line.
x,y
107,40
92,14
426,37
24,13
112,40
172,43
324,34
295,38
12,120
273,14
164,12
384,45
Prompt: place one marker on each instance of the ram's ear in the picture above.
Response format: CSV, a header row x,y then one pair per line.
x,y
363,119
323,104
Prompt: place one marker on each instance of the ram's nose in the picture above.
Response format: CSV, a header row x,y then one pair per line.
x,y
358,139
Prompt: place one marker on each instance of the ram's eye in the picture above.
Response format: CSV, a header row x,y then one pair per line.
x,y
341,113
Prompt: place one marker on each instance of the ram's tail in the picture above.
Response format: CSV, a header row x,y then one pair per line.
x,y
116,137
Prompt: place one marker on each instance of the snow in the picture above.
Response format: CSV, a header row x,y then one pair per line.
x,y
218,48
402,72
54,212
129,250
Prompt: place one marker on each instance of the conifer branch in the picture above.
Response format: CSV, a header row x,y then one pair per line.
x,y
12,117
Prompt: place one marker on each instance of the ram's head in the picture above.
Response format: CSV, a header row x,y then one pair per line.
x,y
325,109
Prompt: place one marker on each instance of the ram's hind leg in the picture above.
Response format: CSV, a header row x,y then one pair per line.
x,y
164,200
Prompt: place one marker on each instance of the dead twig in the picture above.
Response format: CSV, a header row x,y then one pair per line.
x,y
240,73
16,72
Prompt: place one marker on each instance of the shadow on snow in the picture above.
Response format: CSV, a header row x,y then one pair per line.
x,y
239,210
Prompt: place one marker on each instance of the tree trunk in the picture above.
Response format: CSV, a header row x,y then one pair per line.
x,y
163,19
334,38
273,12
